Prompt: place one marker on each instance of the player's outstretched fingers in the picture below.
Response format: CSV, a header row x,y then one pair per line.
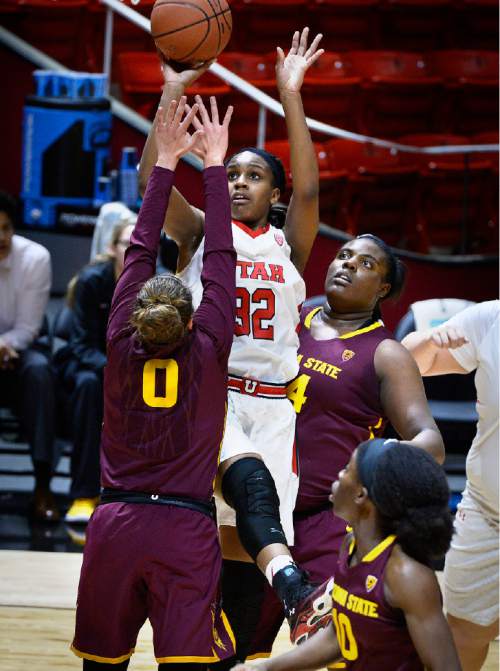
x,y
227,116
190,115
205,119
214,110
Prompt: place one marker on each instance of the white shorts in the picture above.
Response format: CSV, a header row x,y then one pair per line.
x,y
471,567
265,426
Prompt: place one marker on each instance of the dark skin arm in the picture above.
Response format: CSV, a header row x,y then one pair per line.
x,y
183,222
302,219
317,652
403,398
414,589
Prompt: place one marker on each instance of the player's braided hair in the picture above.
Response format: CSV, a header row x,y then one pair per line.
x,y
411,494
396,271
162,311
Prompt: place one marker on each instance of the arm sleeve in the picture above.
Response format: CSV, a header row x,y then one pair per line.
x,y
37,278
216,313
140,257
87,325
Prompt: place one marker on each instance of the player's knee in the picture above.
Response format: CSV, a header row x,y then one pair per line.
x,y
249,488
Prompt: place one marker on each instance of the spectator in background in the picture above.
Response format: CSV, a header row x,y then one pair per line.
x,y
80,366
25,371
466,342
110,215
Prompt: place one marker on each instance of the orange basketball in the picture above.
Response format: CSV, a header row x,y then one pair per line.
x,y
193,31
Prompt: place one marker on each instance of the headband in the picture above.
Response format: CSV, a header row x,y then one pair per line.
x,y
368,458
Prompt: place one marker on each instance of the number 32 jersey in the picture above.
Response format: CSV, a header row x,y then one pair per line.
x,y
269,293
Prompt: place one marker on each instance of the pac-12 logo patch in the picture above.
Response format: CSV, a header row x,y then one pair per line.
x,y
370,582
279,239
347,354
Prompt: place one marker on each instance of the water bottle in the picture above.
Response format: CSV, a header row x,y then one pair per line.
x,y
103,194
129,178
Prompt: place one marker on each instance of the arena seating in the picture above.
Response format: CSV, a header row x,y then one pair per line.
x,y
453,197
330,93
381,192
398,93
257,69
414,24
332,182
346,24
141,81
471,80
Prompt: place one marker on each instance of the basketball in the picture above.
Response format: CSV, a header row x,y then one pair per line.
x,y
191,32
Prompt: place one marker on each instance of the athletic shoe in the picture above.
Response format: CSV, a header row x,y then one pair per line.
x,y
307,606
81,510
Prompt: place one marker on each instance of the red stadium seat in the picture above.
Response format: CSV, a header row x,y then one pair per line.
x,y
56,28
346,24
262,25
258,70
398,93
492,202
453,196
330,94
126,35
476,24
141,82
471,79
381,192
415,24
332,183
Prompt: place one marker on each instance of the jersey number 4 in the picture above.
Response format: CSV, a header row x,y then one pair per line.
x,y
249,318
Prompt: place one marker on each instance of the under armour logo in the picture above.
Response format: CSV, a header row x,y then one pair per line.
x,y
250,386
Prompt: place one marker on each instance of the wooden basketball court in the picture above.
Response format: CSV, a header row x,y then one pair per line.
x,y
37,613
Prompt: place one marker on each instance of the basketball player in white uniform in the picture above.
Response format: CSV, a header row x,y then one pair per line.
x,y
258,474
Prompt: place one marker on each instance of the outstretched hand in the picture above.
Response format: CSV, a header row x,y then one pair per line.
x,y
181,79
290,69
213,136
172,137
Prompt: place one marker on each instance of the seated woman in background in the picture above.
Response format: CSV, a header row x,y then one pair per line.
x,y
80,366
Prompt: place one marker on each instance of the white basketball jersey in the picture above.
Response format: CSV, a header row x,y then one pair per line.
x,y
269,293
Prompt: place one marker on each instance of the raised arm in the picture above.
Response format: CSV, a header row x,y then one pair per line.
x,y
403,398
414,589
215,314
302,219
173,141
431,349
183,222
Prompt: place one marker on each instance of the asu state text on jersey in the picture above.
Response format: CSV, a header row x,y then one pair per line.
x,y
337,395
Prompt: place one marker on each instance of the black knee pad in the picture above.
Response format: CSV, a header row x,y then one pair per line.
x,y
248,487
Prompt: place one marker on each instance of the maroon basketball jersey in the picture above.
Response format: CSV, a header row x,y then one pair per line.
x,y
164,409
371,634
336,396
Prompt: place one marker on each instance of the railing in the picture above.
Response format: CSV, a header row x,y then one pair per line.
x,y
267,103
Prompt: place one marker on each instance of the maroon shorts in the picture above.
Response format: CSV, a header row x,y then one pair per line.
x,y
151,561
318,538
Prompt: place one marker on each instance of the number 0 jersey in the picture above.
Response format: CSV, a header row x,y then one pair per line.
x,y
164,407
269,293
371,633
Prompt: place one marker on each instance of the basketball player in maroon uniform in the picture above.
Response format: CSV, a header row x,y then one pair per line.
x,y
387,608
353,378
152,549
